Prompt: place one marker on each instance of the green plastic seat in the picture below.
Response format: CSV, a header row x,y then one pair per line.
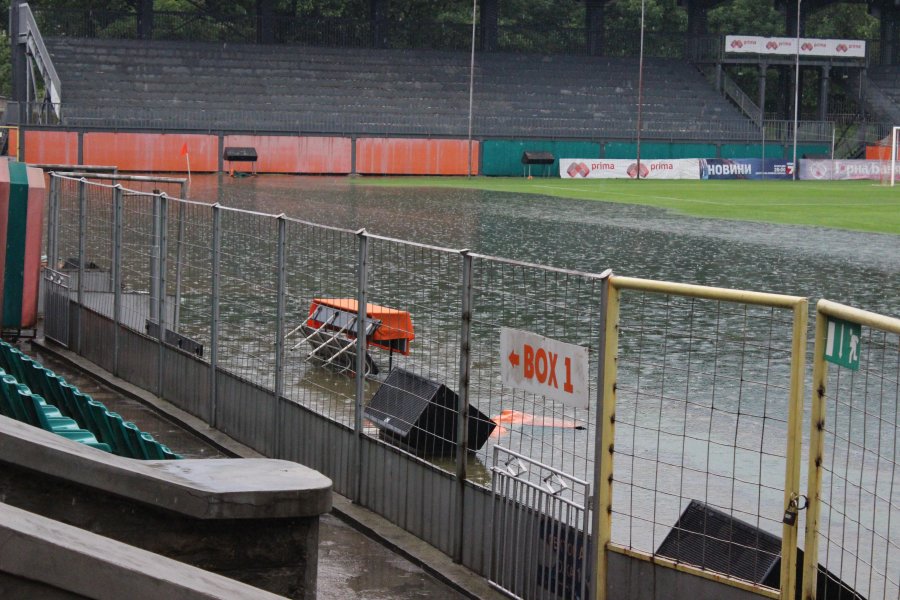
x,y
70,406
139,444
7,407
6,358
34,394
49,386
62,426
40,414
107,425
77,403
168,454
47,409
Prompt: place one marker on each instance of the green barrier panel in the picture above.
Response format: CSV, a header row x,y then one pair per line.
x,y
503,158
752,151
14,269
659,150
817,149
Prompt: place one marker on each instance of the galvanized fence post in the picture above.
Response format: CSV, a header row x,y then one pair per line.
x,y
216,256
117,273
82,234
179,260
279,332
163,230
361,299
154,260
462,421
53,223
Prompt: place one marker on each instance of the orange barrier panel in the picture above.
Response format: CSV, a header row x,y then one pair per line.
x,y
13,141
394,156
294,154
152,152
4,220
51,147
878,153
37,196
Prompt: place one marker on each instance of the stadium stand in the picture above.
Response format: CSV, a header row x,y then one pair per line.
x,y
885,80
125,83
62,409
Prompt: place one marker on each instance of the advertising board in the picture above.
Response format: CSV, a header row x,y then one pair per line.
x,y
745,168
753,44
612,168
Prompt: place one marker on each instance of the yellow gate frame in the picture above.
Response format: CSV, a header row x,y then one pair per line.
x,y
800,307
825,309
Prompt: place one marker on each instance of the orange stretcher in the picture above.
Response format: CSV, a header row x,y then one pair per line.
x,y
331,330
387,328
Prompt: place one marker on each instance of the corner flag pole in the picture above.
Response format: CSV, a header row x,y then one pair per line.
x,y
187,157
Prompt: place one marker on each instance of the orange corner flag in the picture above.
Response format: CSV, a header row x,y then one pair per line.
x,y
184,149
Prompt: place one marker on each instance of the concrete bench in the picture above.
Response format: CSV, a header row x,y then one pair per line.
x,y
253,520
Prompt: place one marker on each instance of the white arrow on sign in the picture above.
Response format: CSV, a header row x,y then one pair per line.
x,y
544,366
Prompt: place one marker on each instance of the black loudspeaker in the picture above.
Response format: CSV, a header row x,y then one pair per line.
x,y
419,415
708,538
714,540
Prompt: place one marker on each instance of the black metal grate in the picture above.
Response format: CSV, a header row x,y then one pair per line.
x,y
401,400
711,539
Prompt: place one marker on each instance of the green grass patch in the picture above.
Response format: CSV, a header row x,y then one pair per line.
x,y
854,205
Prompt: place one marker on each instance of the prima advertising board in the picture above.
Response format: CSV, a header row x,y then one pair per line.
x,y
613,168
842,170
753,44
746,168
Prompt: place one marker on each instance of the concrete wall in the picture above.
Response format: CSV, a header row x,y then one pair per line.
x,y
300,154
253,520
43,558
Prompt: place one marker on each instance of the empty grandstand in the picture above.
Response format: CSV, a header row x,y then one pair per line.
x,y
325,90
150,71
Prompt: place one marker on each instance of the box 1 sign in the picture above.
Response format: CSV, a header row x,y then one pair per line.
x,y
544,366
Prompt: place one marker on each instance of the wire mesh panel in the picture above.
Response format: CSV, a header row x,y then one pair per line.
x,y
561,306
247,296
415,409
704,432
856,443
67,224
321,262
98,247
189,272
139,259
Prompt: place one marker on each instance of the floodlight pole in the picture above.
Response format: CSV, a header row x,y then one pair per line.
x,y
472,82
796,94
640,91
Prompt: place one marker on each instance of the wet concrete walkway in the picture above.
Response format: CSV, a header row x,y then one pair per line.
x,y
351,564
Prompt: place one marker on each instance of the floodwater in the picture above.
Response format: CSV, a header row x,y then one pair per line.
x,y
701,407
860,269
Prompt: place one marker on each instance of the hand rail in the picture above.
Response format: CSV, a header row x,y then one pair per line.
x,y
30,35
